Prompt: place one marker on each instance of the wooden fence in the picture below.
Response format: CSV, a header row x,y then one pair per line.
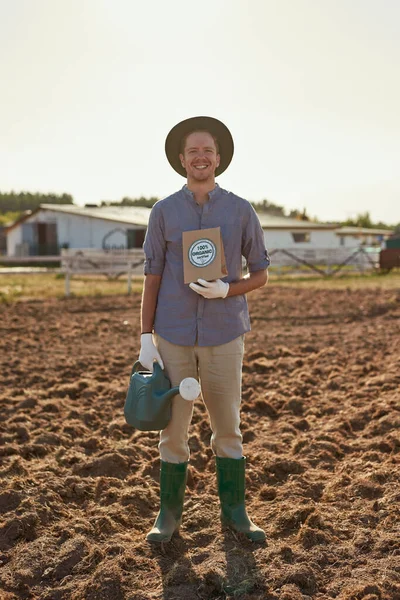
x,y
79,262
112,264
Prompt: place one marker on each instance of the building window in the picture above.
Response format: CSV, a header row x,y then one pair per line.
x,y
301,237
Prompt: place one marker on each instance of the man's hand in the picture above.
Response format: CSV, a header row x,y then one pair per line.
x,y
211,289
148,352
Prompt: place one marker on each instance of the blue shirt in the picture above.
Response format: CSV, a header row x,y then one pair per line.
x,y
182,316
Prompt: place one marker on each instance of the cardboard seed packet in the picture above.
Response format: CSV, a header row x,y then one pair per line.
x,y
203,255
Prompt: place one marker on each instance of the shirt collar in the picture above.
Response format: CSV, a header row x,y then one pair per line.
x,y
212,195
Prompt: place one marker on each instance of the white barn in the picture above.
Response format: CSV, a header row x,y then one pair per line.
x,y
54,226
283,232
362,236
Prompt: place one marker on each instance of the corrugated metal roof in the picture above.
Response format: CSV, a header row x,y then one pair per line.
x,y
347,230
139,215
136,215
274,222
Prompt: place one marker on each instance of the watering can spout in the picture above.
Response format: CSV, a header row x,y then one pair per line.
x,y
188,388
148,401
169,394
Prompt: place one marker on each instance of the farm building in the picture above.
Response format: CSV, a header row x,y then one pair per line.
x,y
362,236
54,226
282,232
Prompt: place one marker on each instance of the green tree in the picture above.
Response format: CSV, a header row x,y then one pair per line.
x,y
8,218
364,220
265,206
299,215
361,220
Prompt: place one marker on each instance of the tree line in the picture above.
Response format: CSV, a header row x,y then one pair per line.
x,y
142,201
13,202
364,220
263,206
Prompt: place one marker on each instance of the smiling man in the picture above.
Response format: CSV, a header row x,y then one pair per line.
x,y
200,156
197,330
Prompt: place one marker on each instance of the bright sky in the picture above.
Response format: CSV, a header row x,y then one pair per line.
x,y
310,90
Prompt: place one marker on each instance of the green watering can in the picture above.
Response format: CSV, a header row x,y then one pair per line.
x,y
148,400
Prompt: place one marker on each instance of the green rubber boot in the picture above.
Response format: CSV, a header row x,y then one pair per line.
x,y
172,492
231,490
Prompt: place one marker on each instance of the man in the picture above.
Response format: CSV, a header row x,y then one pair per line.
x,y
197,330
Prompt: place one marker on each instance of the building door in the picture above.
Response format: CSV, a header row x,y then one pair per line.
x,y
140,233
47,239
135,238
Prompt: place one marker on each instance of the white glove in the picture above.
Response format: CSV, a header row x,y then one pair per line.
x,y
148,352
211,289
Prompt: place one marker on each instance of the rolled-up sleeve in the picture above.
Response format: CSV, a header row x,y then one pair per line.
x,y
154,243
253,245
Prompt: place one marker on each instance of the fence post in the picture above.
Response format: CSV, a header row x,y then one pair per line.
x,y
67,278
129,278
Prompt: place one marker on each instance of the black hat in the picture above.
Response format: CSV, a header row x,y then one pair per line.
x,y
213,126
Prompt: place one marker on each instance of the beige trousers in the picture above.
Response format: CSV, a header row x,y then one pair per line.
x,y
219,370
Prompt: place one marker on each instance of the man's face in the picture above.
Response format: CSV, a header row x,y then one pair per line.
x,y
200,158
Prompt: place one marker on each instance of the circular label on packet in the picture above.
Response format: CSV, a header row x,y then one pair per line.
x,y
202,253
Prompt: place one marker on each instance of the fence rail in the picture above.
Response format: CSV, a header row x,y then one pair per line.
x,y
112,264
83,262
324,261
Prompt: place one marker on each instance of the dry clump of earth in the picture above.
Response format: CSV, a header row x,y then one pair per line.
x,y
321,429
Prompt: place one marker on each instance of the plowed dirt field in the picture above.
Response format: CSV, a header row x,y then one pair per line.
x,y
321,427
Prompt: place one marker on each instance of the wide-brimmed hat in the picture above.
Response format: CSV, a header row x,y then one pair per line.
x,y
213,126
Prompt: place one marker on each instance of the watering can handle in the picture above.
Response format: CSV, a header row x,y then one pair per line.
x,y
138,366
